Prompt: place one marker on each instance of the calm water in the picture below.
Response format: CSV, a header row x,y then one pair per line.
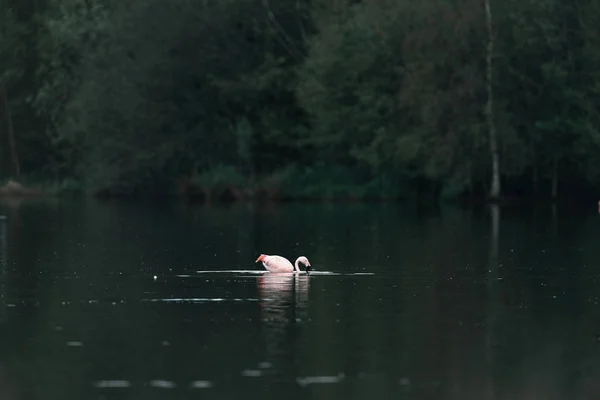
x,y
403,304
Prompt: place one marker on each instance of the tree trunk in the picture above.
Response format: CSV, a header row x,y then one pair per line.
x,y
535,178
554,177
470,179
14,156
489,109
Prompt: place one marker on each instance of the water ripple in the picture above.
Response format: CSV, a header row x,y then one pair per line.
x,y
198,300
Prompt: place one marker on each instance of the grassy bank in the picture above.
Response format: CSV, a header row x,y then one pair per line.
x,y
225,184
28,187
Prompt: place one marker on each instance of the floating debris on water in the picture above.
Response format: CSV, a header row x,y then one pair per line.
x,y
309,380
163,384
201,384
158,383
252,373
112,384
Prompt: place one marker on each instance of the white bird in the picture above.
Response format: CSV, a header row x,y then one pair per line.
x,y
282,264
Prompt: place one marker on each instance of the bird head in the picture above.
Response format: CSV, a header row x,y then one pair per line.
x,y
304,261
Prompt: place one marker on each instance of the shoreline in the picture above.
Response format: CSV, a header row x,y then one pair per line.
x,y
225,195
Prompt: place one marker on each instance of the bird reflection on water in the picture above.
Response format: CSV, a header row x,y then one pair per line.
x,y
284,304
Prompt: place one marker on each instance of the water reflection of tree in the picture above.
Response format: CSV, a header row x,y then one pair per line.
x,y
528,356
283,301
493,299
8,386
3,266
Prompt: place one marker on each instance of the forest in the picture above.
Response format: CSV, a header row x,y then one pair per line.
x,y
302,99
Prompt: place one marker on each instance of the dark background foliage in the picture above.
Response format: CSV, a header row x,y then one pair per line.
x,y
320,98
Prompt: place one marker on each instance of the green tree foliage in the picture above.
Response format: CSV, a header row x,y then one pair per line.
x,y
545,58
383,94
165,89
320,98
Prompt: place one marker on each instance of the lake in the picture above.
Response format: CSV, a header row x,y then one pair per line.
x,y
162,300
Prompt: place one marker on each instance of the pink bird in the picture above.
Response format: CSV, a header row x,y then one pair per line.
x,y
281,264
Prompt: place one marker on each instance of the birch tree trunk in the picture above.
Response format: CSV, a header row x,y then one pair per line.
x,y
489,108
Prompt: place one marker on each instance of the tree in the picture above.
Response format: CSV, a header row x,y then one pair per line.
x,y
546,62
11,52
489,108
147,103
382,95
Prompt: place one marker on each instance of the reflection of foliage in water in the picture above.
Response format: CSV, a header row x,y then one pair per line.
x,y
418,324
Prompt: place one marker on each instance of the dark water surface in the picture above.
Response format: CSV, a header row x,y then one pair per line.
x,y
404,304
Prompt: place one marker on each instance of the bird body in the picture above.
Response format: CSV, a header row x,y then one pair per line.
x,y
278,264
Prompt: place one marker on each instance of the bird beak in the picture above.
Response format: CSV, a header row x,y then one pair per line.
x,y
260,258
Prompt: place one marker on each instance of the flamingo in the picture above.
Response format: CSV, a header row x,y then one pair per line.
x,y
282,264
